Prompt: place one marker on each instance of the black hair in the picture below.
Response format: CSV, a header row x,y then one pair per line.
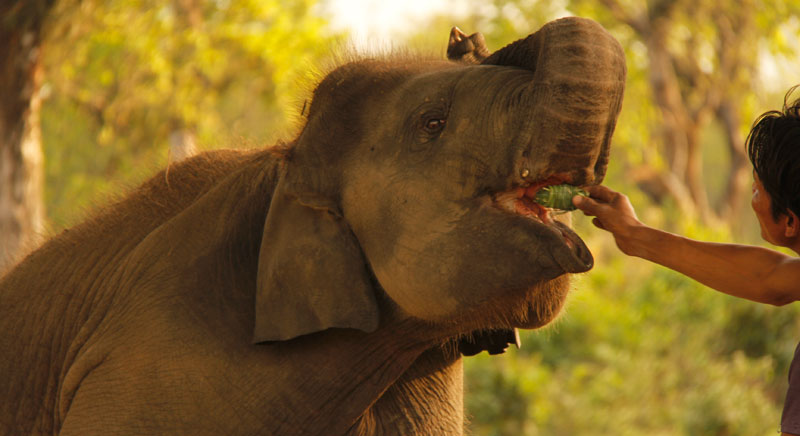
x,y
773,146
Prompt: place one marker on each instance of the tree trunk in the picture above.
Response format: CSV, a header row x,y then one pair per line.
x,y
694,175
680,153
688,96
739,176
21,169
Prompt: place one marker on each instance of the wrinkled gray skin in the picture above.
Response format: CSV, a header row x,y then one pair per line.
x,y
320,287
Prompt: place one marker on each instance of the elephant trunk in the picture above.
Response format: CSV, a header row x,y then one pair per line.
x,y
574,98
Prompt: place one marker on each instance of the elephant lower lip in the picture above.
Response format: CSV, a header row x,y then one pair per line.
x,y
580,258
576,256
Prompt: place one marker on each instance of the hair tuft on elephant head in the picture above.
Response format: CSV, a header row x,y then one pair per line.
x,y
326,285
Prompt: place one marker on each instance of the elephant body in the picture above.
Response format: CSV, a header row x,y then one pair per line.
x,y
318,287
184,363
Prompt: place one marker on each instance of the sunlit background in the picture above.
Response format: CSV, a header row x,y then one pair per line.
x,y
127,85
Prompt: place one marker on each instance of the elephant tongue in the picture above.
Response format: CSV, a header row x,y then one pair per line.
x,y
493,341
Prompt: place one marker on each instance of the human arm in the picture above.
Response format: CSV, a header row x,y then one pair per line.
x,y
754,273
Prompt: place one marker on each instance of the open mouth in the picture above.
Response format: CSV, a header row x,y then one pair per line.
x,y
521,201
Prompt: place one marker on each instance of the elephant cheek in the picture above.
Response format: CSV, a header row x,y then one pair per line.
x,y
415,289
417,267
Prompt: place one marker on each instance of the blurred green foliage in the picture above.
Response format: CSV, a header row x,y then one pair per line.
x,y
639,349
122,75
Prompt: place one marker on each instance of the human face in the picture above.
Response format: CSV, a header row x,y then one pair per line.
x,y
772,230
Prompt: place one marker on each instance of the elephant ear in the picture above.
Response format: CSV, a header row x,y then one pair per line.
x,y
312,275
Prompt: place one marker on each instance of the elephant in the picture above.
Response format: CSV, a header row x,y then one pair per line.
x,y
328,284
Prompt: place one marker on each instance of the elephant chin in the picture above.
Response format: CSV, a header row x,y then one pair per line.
x,y
529,308
544,303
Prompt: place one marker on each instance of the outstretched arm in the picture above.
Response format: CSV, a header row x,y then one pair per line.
x,y
755,273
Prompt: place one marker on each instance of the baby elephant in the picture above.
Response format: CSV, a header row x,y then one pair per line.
x,y
324,286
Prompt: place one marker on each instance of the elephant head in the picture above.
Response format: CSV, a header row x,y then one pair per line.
x,y
408,193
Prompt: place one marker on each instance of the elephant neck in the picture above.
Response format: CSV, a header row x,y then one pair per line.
x,y
426,399
54,301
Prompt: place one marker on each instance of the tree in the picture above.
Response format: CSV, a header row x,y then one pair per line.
x,y
21,205
131,81
702,66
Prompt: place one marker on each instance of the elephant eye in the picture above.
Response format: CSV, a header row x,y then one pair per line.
x,y
434,125
430,120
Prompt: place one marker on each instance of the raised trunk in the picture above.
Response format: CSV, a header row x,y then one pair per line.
x,y
575,93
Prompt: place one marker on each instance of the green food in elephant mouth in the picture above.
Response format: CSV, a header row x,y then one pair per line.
x,y
559,196
521,201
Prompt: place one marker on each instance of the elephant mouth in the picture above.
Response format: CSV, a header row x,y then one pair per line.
x,y
520,201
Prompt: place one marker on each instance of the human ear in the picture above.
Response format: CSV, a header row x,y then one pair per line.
x,y
792,225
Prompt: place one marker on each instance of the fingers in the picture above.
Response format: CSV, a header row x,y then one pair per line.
x,y
602,193
604,203
587,205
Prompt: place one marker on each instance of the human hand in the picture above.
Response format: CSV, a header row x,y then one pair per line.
x,y
613,212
